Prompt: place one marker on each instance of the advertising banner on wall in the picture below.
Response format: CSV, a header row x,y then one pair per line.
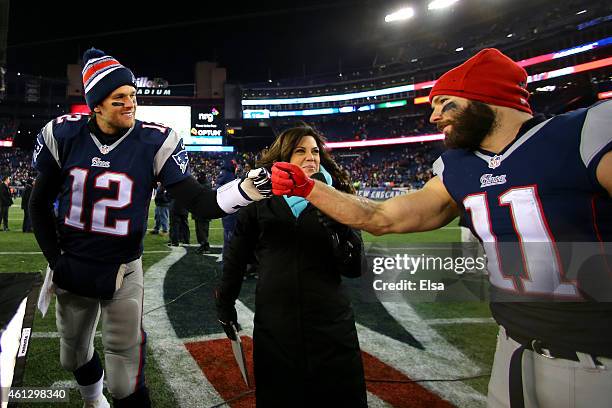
x,y
207,125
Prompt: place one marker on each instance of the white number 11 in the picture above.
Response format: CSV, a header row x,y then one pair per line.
x,y
541,262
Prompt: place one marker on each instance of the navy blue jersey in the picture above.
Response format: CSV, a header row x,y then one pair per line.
x,y
540,192
106,190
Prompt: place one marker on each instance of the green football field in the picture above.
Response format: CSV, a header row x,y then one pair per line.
x,y
474,338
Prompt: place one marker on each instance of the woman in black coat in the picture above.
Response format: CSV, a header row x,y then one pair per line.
x,y
306,351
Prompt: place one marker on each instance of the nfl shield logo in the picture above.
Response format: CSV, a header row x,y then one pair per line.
x,y
104,149
495,161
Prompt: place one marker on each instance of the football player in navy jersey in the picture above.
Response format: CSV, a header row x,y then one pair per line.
x,y
529,182
102,168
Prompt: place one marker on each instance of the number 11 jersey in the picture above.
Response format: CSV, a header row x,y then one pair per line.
x,y
535,206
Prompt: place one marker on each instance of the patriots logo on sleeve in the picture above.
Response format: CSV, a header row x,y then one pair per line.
x,y
37,150
181,159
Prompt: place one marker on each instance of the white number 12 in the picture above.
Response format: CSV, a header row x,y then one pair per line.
x,y
99,213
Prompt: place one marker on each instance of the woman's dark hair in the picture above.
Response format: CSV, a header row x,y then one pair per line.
x,y
285,144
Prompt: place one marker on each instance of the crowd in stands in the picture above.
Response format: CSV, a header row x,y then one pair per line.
x,y
383,167
386,167
17,164
366,126
209,164
407,166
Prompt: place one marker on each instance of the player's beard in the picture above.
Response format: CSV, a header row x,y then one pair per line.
x,y
469,126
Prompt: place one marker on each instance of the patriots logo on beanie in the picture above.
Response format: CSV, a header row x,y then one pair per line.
x,y
102,74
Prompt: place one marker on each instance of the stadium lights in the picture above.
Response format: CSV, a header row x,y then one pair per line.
x,y
401,14
581,12
418,86
386,142
265,113
509,35
588,66
440,4
459,49
604,95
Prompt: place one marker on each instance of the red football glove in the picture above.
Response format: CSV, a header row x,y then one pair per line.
x,y
290,180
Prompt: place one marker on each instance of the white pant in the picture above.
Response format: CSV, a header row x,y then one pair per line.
x,y
123,337
549,383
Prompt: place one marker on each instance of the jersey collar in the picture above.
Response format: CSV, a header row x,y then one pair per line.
x,y
102,139
527,130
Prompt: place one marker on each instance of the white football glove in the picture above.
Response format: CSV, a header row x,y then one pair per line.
x,y
260,180
239,193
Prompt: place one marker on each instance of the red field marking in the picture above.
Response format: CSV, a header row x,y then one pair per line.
x,y
400,395
217,362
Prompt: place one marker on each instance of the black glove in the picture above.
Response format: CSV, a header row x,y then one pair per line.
x,y
226,313
344,240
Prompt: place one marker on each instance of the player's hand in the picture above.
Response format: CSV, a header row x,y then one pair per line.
x,y
257,184
226,313
239,193
289,179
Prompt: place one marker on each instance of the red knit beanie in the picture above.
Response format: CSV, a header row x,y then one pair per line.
x,y
489,77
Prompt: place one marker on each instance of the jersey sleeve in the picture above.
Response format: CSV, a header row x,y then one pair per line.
x,y
171,162
596,137
45,157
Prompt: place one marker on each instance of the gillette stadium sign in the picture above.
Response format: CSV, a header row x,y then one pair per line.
x,y
161,88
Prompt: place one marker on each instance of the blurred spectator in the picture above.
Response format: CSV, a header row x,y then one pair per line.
x,y
25,201
179,224
202,225
162,210
6,200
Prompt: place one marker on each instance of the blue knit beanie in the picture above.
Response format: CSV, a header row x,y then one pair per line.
x,y
102,74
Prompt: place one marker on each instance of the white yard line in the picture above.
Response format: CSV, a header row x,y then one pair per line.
x,y
182,373
70,384
40,253
462,320
192,389
439,359
53,335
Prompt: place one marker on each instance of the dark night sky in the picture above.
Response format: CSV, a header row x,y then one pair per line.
x,y
249,39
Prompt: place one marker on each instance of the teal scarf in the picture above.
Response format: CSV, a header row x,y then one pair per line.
x,y
297,204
